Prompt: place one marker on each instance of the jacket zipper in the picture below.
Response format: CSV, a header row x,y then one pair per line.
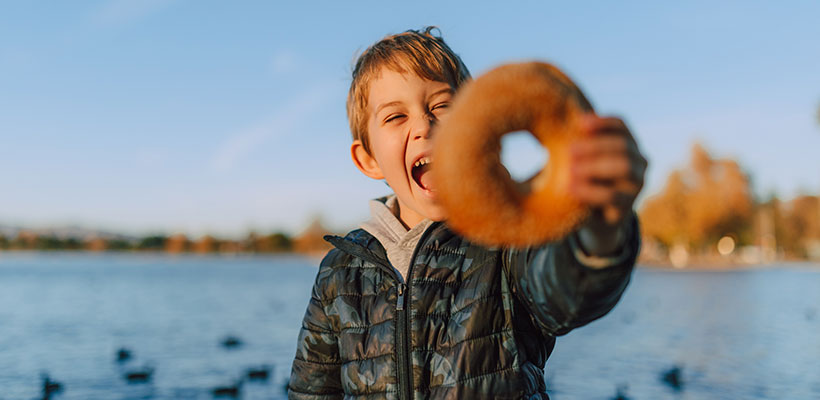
x,y
405,366
402,346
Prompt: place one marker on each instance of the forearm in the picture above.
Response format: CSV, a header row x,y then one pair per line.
x,y
603,246
562,291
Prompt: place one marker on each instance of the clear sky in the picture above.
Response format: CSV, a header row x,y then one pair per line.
x,y
218,117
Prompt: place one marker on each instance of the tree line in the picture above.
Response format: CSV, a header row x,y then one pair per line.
x,y
277,242
308,241
711,199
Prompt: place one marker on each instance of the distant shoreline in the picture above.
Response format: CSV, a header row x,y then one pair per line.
x,y
158,253
807,265
732,267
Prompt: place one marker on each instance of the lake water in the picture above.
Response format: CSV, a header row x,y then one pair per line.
x,y
746,334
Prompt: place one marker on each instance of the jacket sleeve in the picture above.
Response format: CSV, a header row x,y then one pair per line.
x,y
316,371
562,288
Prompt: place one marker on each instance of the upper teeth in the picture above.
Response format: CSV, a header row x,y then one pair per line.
x,y
422,161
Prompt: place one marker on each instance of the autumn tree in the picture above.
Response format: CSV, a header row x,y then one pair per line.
x,y
701,203
799,225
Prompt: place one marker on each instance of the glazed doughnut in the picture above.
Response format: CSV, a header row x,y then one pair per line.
x,y
480,199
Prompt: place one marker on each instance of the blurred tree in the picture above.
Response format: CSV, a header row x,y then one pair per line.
x,y
311,239
24,240
273,243
664,216
178,243
47,243
96,244
251,243
4,242
118,244
700,204
156,243
799,225
207,244
72,244
280,242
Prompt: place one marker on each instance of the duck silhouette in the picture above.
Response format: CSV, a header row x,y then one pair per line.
x,y
620,393
123,354
50,386
228,391
261,373
142,375
672,378
231,342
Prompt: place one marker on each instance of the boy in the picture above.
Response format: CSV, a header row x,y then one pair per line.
x,y
404,308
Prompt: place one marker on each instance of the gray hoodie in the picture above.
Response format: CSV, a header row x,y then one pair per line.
x,y
385,226
399,242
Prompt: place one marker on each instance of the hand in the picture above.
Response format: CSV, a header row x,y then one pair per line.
x,y
607,173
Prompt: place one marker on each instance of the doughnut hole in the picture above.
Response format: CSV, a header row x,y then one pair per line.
x,y
522,155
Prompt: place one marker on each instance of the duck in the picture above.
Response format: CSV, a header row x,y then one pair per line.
x,y
50,387
261,373
620,393
672,378
123,354
228,391
139,375
230,342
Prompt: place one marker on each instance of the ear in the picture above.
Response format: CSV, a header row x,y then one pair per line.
x,y
364,161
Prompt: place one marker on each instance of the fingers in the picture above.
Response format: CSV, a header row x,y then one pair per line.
x,y
595,145
601,193
604,167
593,124
606,160
607,168
607,151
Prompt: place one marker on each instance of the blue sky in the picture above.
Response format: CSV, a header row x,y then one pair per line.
x,y
219,117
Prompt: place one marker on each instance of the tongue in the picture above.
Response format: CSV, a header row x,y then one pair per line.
x,y
426,180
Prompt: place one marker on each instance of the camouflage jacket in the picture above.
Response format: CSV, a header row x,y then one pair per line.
x,y
470,322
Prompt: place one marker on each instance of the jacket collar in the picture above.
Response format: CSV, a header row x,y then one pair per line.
x,y
360,243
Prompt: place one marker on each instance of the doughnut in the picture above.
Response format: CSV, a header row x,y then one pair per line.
x,y
480,199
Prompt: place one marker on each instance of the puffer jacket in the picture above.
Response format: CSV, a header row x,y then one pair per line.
x,y
471,322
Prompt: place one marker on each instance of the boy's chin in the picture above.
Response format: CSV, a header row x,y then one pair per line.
x,y
433,211
424,207
437,215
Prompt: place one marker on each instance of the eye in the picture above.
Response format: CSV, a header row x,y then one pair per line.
x,y
393,117
440,106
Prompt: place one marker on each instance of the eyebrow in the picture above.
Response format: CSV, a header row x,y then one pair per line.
x,y
385,105
395,103
445,90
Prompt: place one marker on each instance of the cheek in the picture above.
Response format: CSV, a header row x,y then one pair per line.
x,y
392,151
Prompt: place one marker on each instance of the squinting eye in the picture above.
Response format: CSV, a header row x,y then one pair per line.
x,y
393,117
440,106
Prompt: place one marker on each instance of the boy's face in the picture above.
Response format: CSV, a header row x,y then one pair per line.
x,y
402,109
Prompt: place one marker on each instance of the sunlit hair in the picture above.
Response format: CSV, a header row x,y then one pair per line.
x,y
417,51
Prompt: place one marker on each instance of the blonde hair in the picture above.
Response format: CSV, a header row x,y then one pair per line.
x,y
417,51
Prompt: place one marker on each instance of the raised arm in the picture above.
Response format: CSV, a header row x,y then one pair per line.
x,y
569,283
564,288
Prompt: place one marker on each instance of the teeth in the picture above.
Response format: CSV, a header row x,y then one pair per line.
x,y
422,161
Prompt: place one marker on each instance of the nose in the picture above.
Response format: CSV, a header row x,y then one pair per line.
x,y
423,127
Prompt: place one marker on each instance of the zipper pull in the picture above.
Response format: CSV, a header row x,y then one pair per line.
x,y
400,300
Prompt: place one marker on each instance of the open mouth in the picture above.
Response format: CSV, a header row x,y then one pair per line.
x,y
421,173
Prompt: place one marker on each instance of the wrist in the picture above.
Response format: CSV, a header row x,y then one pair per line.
x,y
603,241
